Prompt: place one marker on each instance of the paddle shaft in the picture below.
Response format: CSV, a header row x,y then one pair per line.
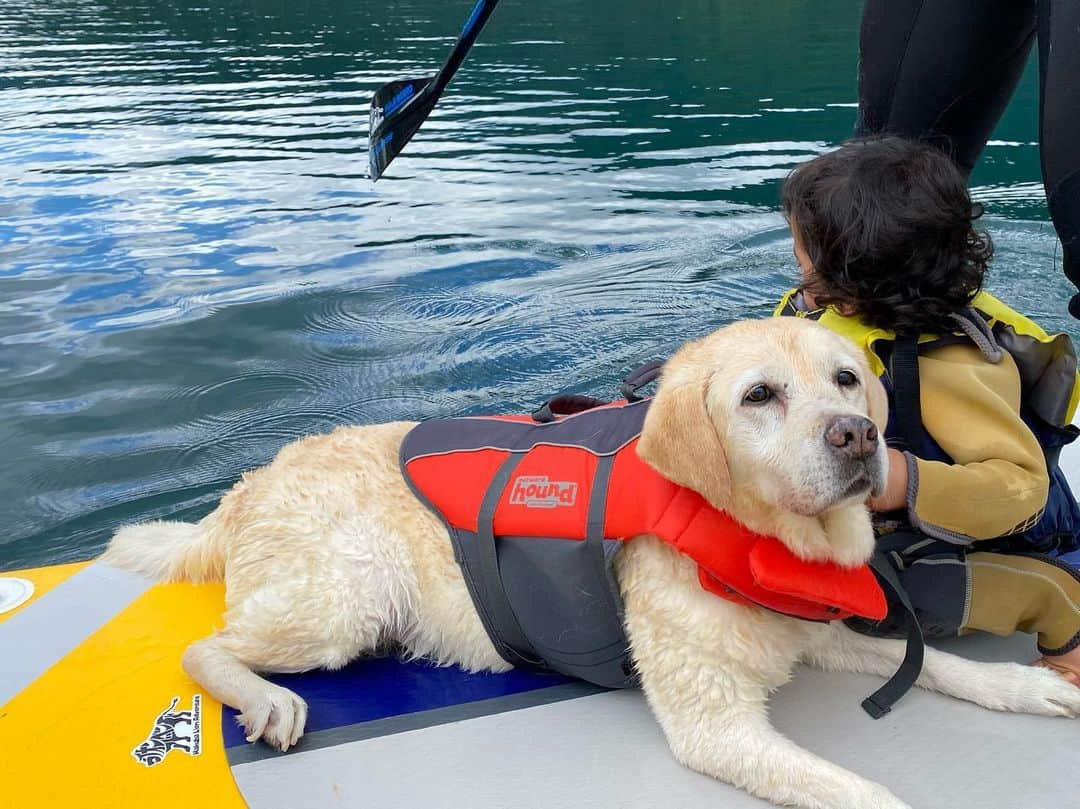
x,y
469,32
398,108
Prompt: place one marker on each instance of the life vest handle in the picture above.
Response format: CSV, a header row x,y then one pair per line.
x,y
565,404
639,378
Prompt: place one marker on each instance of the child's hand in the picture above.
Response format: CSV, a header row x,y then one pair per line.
x,y
895,494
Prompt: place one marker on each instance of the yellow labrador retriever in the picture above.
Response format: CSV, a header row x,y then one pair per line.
x,y
326,555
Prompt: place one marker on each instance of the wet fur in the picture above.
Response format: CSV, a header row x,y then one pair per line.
x,y
326,555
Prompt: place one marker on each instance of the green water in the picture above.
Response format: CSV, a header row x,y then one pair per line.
x,y
195,268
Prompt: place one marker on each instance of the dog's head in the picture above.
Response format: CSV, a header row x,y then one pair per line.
x,y
783,409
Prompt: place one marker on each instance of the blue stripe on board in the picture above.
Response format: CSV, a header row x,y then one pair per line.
x,y
376,689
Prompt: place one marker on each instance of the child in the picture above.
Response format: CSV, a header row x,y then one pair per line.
x,y
980,397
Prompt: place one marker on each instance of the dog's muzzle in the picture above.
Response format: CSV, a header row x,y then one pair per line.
x,y
852,438
854,444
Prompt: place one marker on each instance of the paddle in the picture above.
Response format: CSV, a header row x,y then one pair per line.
x,y
400,107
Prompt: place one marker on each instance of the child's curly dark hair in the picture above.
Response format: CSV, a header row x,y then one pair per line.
x,y
887,224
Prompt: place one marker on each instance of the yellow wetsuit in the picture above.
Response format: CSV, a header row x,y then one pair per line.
x,y
996,486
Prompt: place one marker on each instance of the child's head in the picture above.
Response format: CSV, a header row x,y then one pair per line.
x,y
885,225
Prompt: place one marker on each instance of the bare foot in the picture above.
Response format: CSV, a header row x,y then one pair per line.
x,y
1067,665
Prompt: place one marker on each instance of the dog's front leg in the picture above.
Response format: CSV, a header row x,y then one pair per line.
x,y
715,722
998,686
707,667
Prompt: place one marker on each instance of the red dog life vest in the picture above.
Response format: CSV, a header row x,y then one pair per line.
x,y
538,511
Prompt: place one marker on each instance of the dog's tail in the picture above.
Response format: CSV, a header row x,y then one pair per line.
x,y
168,551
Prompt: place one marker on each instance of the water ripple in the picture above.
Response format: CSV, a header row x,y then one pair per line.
x,y
195,268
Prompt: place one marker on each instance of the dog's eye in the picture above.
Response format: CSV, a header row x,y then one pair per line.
x,y
758,394
846,379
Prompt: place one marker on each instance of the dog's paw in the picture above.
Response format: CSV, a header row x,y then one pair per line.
x,y
1045,693
277,715
1016,688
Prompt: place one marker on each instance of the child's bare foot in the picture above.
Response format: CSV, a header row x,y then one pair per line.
x,y
1067,665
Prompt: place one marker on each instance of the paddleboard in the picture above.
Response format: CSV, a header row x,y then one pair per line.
x,y
97,712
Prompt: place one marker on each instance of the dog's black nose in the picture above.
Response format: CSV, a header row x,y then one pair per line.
x,y
853,437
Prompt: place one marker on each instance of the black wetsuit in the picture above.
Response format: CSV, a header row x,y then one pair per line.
x,y
945,70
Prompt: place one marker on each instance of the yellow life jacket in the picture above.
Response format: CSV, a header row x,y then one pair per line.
x,y
1047,363
1049,391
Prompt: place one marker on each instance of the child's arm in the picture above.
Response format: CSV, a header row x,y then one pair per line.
x,y
998,482
896,487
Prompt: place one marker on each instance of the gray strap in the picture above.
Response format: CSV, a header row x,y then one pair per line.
x,y
594,530
594,526
516,648
977,329
598,554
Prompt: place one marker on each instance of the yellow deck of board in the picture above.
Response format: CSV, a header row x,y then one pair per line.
x,y
67,740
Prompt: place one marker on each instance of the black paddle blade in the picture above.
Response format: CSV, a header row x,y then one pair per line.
x,y
397,110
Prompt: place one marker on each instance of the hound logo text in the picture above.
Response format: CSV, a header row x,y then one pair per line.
x,y
537,491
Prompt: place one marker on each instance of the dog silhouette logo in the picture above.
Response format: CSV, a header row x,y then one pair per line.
x,y
173,730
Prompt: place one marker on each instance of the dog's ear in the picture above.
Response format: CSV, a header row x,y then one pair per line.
x,y
877,401
680,441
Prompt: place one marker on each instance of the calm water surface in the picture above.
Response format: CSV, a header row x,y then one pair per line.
x,y
195,268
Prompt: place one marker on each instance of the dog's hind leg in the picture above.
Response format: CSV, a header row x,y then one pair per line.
x,y
999,686
266,710
225,664
295,620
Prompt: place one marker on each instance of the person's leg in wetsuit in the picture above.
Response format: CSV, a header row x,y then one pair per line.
x,y
945,70
955,592
1059,127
